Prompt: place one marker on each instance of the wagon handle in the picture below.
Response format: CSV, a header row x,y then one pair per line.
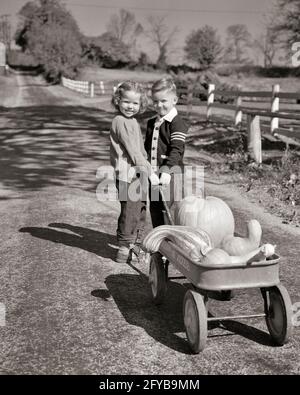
x,y
166,207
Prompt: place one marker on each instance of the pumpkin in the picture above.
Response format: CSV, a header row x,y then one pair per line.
x,y
241,245
210,214
221,257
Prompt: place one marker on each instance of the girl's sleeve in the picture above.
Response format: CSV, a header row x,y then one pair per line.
x,y
130,139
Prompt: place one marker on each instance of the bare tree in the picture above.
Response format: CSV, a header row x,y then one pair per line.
x,y
160,34
238,39
268,42
125,28
5,29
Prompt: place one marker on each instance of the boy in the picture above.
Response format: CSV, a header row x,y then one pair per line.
x,y
164,143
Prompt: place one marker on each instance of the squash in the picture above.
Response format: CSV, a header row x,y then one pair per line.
x,y
218,256
210,214
241,245
195,243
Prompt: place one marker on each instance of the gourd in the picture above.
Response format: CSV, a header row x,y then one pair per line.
x,y
219,256
241,245
195,243
210,214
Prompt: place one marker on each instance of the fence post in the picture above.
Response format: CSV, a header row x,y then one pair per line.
x,y
189,102
210,100
92,89
102,90
238,113
275,107
254,138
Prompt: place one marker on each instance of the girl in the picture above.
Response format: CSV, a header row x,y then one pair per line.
x,y
128,157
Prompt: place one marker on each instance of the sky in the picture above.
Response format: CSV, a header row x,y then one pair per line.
x,y
92,16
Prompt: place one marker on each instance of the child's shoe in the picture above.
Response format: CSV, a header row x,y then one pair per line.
x,y
123,254
131,254
138,255
128,254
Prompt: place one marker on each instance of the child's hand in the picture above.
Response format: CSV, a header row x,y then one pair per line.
x,y
165,179
154,179
131,173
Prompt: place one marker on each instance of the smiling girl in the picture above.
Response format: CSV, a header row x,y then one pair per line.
x,y
127,154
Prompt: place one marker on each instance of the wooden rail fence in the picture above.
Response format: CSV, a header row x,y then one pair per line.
x,y
91,88
287,135
253,115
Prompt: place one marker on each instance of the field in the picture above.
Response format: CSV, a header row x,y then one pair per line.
x,y
100,74
253,83
245,82
8,90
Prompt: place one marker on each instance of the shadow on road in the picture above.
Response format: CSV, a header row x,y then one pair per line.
x,y
249,332
89,240
55,145
131,293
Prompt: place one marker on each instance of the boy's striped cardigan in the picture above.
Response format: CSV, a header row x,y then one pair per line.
x,y
166,148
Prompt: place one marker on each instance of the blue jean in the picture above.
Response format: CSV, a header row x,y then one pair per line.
x,y
132,218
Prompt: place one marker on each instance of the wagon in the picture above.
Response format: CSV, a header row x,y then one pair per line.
x,y
223,279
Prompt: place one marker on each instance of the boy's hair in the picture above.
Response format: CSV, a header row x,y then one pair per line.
x,y
127,86
165,84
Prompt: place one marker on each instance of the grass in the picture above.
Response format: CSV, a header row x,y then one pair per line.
x,y
7,89
254,83
275,184
94,73
100,74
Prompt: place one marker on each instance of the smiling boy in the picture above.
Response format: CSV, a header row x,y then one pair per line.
x,y
164,143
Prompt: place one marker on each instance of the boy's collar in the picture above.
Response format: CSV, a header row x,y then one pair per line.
x,y
170,116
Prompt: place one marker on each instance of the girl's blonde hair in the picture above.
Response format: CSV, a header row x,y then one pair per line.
x,y
126,87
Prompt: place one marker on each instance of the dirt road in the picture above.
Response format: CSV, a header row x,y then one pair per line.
x,y
69,308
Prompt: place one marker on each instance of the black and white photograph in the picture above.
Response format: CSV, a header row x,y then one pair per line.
x,y
149,190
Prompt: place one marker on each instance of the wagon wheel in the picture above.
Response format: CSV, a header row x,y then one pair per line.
x,y
278,310
195,320
157,278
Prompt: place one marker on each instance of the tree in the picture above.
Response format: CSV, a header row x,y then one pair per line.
x,y
107,50
288,24
159,34
50,33
143,60
203,46
124,28
238,39
5,30
268,42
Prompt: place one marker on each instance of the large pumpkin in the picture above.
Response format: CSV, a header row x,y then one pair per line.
x,y
210,214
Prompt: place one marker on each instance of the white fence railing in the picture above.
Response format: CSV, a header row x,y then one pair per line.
x,y
89,88
92,88
287,135
78,86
